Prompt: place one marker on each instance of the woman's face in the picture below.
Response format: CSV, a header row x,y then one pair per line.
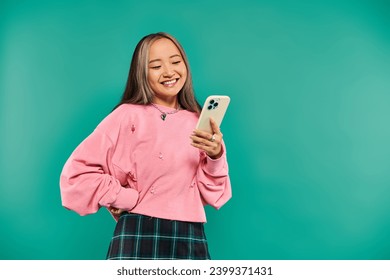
x,y
167,71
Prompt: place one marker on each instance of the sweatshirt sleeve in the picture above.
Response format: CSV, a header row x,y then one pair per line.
x,y
86,181
213,180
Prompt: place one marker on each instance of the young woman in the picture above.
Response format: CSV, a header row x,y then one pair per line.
x,y
147,165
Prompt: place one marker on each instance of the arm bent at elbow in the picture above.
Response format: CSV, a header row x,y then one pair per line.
x,y
213,181
86,182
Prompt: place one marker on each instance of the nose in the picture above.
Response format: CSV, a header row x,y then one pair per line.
x,y
168,71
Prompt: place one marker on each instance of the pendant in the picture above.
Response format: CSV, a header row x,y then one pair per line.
x,y
163,116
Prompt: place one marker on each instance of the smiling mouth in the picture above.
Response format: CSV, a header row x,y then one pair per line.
x,y
170,83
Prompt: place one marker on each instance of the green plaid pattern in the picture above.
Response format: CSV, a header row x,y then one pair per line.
x,y
139,237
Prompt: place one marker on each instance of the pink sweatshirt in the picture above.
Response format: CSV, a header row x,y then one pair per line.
x,y
135,161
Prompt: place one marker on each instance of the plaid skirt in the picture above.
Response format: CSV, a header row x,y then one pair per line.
x,y
139,237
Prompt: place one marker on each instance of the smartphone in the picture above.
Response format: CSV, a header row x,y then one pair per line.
x,y
215,106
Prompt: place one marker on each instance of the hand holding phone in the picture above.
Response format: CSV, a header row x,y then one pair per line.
x,y
207,135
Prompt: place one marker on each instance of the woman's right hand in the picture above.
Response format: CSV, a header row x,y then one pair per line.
x,y
116,211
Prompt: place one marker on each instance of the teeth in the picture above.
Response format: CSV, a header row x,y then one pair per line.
x,y
169,82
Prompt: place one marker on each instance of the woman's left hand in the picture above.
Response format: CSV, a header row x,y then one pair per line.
x,y
210,143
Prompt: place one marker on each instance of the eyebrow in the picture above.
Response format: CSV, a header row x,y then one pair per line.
x,y
154,60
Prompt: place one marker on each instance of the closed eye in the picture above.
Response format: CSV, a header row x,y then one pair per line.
x,y
176,62
155,67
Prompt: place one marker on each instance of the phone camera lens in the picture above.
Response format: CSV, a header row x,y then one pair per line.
x,y
215,104
212,101
210,107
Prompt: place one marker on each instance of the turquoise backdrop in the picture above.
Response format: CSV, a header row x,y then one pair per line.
x,y
308,131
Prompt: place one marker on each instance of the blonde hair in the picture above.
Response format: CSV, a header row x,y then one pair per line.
x,y
138,90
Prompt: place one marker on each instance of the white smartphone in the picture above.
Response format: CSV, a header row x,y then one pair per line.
x,y
215,106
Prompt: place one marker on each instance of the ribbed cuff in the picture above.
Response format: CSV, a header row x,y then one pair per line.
x,y
126,199
213,166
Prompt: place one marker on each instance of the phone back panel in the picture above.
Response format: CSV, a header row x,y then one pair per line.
x,y
215,106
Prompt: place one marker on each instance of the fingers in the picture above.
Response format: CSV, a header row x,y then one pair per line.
x,y
211,151
206,139
214,126
212,137
211,143
116,211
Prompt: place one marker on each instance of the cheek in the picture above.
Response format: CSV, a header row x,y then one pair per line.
x,y
152,78
184,73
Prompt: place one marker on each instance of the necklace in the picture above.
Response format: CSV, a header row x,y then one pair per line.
x,y
164,114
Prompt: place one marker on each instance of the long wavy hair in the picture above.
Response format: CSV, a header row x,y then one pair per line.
x,y
138,90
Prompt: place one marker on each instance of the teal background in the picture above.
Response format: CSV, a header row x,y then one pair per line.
x,y
307,132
